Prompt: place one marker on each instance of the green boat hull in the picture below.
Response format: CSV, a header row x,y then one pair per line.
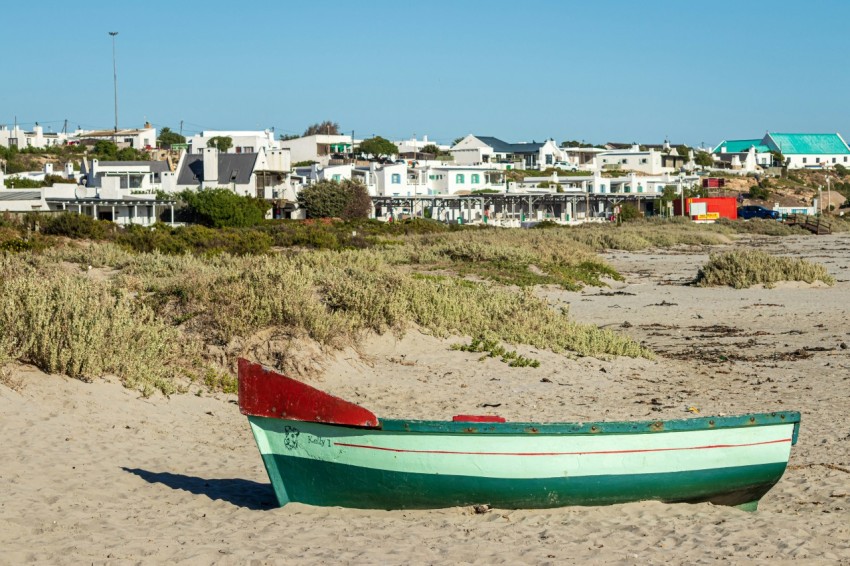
x,y
432,464
329,484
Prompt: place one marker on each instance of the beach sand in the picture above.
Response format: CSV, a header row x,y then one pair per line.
x,y
93,473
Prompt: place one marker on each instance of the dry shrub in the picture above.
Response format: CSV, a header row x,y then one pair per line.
x,y
67,324
744,268
334,297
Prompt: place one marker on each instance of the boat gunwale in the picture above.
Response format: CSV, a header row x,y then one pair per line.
x,y
583,428
597,427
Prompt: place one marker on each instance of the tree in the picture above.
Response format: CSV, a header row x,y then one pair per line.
x,y
222,208
221,143
324,128
378,147
778,158
105,149
336,199
167,138
629,212
430,148
683,150
130,154
703,159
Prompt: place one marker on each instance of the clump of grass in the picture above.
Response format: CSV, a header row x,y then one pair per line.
x,y
67,324
761,226
495,350
744,268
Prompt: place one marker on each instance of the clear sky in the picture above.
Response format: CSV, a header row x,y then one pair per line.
x,y
594,70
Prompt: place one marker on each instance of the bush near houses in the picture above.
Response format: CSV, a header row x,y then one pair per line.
x,y
336,199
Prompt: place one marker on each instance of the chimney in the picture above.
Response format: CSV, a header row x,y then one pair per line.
x,y
69,170
48,169
147,125
210,167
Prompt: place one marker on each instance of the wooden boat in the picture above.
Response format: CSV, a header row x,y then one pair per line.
x,y
323,450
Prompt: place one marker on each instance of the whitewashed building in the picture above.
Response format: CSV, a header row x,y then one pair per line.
x,y
136,138
476,150
318,148
36,138
243,141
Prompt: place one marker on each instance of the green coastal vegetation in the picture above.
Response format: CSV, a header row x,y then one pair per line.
x,y
744,268
170,308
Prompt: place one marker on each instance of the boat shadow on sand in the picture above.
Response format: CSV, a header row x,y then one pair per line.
x,y
241,493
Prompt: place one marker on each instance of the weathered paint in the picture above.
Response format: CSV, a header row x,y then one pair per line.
x,y
322,450
329,465
264,392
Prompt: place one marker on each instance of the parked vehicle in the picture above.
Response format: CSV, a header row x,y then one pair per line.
x,y
753,211
565,165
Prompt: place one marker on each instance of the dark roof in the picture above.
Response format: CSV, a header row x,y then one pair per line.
x,y
232,168
155,166
500,146
19,194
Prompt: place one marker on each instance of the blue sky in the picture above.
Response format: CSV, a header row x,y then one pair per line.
x,y
596,70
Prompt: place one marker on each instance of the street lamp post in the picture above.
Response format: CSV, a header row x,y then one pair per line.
x,y
828,199
115,82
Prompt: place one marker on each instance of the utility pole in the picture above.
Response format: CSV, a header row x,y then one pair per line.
x,y
115,82
181,127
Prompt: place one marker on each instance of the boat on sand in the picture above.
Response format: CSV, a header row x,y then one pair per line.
x,y
322,450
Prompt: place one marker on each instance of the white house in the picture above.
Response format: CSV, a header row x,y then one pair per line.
x,y
801,151
475,150
37,138
318,148
743,154
48,170
140,176
264,174
243,141
137,138
649,161
414,145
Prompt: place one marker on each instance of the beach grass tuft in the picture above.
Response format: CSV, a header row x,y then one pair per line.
x,y
744,268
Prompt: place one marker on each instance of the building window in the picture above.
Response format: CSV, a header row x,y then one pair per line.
x,y
548,159
833,160
396,179
643,161
337,178
601,188
845,159
475,179
804,160
459,178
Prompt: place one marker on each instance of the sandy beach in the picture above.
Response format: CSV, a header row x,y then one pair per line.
x,y
95,473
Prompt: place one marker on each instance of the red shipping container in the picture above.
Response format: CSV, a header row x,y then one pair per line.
x,y
715,208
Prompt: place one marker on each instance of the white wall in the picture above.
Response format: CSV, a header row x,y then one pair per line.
x,y
306,148
243,141
802,161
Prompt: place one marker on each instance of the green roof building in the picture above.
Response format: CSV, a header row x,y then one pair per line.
x,y
801,151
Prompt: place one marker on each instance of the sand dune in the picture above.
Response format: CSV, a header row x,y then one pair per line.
x,y
92,473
